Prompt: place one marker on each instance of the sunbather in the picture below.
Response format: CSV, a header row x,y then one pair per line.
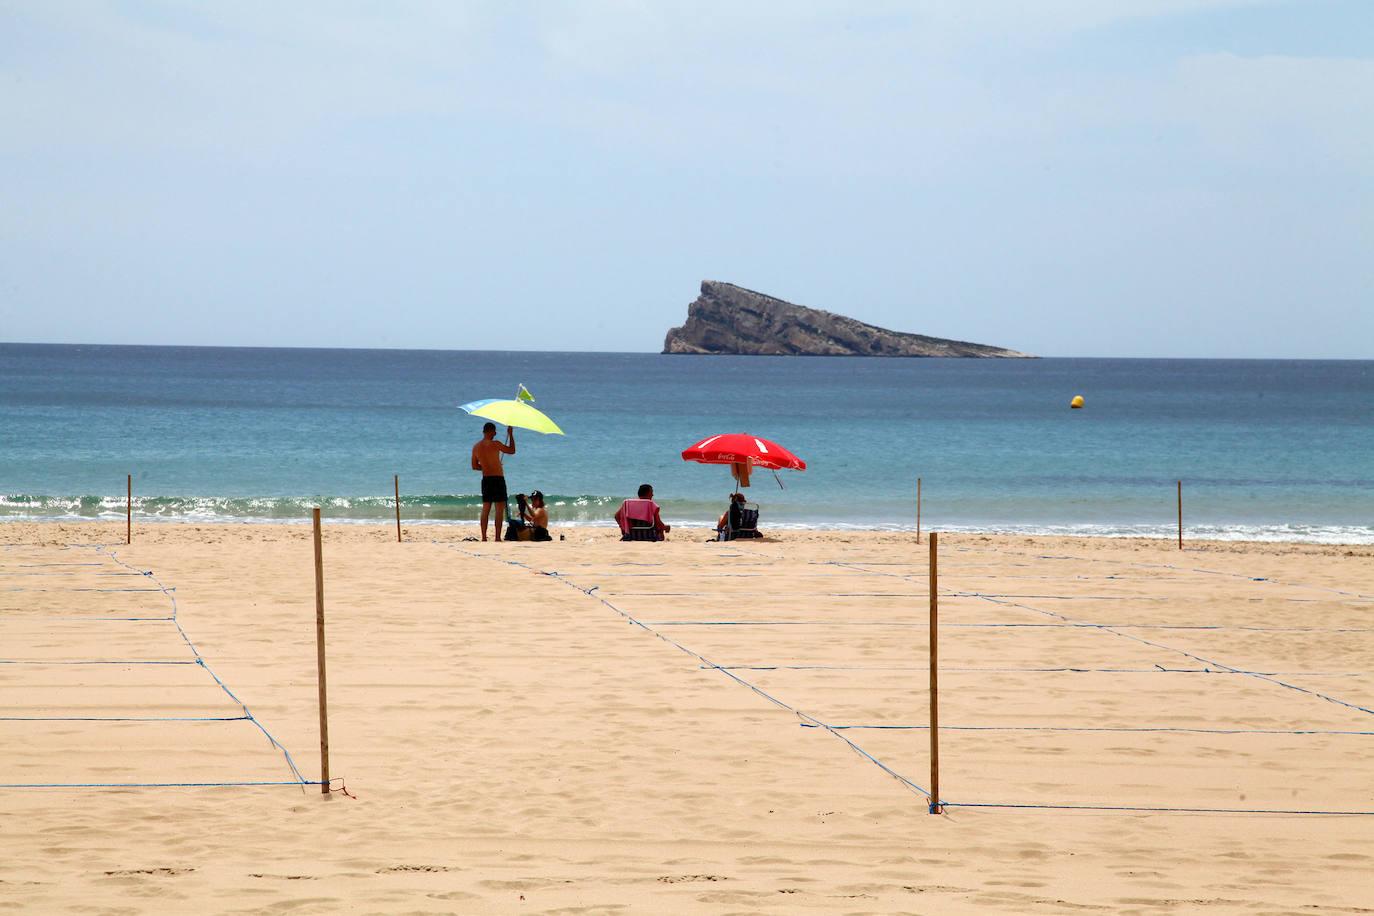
x,y
642,516
738,522
533,522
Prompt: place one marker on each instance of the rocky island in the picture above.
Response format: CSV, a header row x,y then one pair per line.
x,y
730,319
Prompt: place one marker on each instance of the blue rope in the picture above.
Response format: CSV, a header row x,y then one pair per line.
x,y
34,661
1200,571
767,595
91,619
196,660
146,785
1151,810
1264,677
1069,624
1157,669
707,663
1065,624
809,721
1071,728
86,589
783,623
1118,631
125,718
201,661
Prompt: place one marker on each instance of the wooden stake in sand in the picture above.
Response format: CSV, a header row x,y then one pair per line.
x,y
1180,515
129,513
398,507
918,510
319,653
935,806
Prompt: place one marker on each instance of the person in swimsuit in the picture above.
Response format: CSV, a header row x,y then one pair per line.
x,y
730,518
539,517
533,522
486,457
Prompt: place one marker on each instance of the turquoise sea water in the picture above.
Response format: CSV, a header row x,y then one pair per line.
x,y
1265,449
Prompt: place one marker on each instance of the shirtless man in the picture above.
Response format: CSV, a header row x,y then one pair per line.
x,y
486,457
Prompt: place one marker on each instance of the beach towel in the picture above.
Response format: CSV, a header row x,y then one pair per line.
x,y
637,510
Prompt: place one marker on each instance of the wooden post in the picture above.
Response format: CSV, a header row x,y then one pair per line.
x,y
1180,515
319,654
918,510
398,508
935,806
129,513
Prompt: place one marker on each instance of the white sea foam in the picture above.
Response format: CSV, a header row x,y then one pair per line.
x,y
595,512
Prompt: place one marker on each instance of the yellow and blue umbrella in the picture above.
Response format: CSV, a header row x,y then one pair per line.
x,y
513,412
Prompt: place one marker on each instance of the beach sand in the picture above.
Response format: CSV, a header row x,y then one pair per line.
x,y
595,727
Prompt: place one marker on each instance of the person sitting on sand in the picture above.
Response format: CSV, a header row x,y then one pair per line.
x,y
538,517
533,522
731,514
737,522
731,524
641,514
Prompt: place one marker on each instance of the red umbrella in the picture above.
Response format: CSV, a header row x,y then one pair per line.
x,y
742,448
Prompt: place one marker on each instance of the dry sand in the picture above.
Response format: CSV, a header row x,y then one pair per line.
x,y
595,727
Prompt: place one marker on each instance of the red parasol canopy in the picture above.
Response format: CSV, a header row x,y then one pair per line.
x,y
742,448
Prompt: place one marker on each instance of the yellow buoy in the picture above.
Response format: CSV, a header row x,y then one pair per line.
x,y
1077,401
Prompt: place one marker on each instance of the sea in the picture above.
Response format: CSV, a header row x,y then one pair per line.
x,y
1269,450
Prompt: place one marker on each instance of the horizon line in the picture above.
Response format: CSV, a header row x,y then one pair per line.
x,y
408,349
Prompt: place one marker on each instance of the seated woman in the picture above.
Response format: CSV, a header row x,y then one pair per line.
x,y
538,518
533,523
639,519
738,521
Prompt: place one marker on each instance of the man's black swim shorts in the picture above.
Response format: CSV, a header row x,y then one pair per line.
x,y
493,489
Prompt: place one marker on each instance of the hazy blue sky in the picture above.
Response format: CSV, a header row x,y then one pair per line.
x,y
1064,177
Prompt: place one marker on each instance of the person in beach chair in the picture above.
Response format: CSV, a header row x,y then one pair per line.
x,y
639,519
741,520
533,523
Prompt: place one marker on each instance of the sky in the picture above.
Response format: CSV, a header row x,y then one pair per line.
x,y
1114,178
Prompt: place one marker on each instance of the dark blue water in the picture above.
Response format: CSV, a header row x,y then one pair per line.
x,y
1265,449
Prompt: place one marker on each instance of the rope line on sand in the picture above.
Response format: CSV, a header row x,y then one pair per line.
x,y
706,663
90,619
1070,624
1220,668
1073,728
1151,810
1118,630
86,589
125,718
29,574
1157,669
1067,624
196,659
810,721
36,661
146,785
1208,662
1193,569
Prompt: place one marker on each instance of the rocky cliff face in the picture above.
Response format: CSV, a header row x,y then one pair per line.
x,y
730,319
